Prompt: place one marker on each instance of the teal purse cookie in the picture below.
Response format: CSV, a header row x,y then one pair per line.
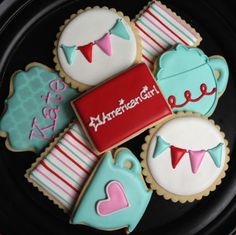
x,y
190,80
37,109
116,196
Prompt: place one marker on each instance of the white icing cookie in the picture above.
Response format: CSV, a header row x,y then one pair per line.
x,y
94,45
185,158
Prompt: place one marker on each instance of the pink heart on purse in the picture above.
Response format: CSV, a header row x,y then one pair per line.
x,y
116,199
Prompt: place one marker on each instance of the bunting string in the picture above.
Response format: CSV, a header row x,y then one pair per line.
x,y
195,156
104,43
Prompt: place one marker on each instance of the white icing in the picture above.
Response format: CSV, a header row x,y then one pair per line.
x,y
88,27
189,133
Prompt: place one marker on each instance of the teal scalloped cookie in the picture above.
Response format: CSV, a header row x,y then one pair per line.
x,y
190,80
37,109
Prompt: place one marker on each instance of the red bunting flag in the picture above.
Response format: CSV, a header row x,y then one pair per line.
x,y
86,50
176,155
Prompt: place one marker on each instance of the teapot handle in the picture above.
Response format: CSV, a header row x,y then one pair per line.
x,y
219,64
124,156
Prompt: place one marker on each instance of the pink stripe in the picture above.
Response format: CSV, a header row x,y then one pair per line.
x,y
143,39
143,31
63,162
158,27
151,62
52,181
161,22
146,62
194,34
80,150
70,132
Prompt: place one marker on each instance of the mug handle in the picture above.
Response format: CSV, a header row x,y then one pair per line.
x,y
219,64
123,156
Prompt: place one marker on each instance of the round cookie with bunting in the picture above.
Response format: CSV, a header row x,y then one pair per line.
x,y
94,45
185,157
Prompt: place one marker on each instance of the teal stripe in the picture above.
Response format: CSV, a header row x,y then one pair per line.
x,y
77,183
155,32
178,29
75,154
76,131
80,134
49,189
145,49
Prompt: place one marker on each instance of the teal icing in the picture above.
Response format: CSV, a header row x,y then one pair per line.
x,y
69,52
27,103
184,69
161,146
216,154
119,30
134,187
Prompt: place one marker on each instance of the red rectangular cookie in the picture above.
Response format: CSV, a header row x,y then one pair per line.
x,y
121,108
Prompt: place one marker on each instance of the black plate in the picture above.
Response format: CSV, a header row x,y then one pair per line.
x,y
27,33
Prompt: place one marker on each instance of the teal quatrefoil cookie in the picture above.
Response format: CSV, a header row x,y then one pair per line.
x,y
190,80
37,109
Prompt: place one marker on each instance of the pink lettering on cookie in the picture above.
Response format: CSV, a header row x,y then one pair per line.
x,y
48,112
57,86
40,132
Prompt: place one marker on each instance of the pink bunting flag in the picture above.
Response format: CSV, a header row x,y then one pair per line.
x,y
104,44
196,158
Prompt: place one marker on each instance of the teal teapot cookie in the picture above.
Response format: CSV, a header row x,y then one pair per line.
x,y
115,196
190,80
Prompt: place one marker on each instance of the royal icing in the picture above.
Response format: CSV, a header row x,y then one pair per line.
x,y
113,112
160,29
62,173
191,155
116,199
188,79
116,196
38,109
89,54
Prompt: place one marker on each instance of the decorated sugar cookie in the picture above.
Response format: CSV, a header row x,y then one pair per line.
x,y
185,158
115,196
160,28
37,109
190,80
63,168
94,45
121,108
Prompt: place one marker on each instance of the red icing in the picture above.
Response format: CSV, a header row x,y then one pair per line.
x,y
86,50
188,96
114,111
176,155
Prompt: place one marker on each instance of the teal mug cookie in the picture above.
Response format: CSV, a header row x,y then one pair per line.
x,y
116,196
37,108
190,80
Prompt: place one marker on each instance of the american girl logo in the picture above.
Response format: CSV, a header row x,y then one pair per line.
x,y
123,107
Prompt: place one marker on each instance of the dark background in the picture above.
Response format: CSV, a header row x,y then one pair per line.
x,y
27,33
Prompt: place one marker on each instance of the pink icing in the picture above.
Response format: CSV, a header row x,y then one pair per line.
x,y
41,132
57,85
116,199
104,44
48,98
196,159
51,113
48,112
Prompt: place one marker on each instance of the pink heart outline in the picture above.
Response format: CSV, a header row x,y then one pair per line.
x,y
115,199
